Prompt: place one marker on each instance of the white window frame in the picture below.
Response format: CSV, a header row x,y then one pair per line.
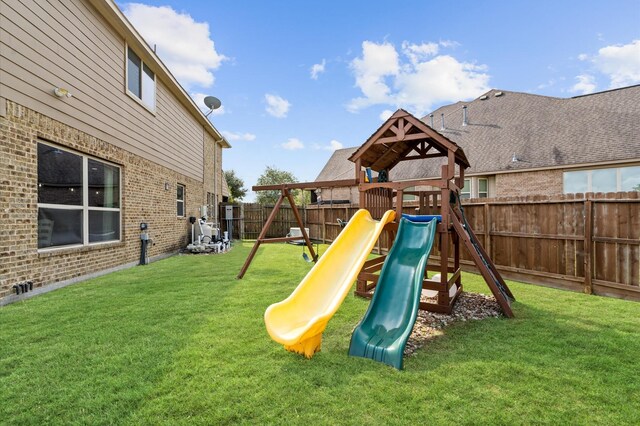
x,y
470,192
183,201
150,108
483,192
85,202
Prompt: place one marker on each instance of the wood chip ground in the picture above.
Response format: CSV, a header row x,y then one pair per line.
x,y
468,307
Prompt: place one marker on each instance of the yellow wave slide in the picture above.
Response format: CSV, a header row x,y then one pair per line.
x,y
299,321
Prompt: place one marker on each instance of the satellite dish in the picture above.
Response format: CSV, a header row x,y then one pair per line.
x,y
212,102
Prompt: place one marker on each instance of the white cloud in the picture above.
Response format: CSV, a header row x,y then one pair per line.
x,y
384,115
334,145
419,52
620,63
198,98
378,61
417,80
586,84
449,44
293,144
184,45
331,146
277,106
317,69
231,136
583,56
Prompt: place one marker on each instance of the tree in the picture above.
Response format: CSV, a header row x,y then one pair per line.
x,y
273,176
236,186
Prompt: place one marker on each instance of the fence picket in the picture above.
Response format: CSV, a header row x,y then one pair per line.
x,y
593,239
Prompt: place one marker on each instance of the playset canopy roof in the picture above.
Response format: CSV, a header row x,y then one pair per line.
x,y
404,137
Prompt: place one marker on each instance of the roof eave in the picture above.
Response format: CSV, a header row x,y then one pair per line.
x,y
114,16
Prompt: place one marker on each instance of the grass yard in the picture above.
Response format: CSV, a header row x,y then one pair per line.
x,y
181,341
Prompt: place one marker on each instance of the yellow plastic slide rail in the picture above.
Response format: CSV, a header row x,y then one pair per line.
x,y
299,321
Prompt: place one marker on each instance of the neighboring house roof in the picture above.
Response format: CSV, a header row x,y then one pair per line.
x,y
121,24
541,132
545,132
338,167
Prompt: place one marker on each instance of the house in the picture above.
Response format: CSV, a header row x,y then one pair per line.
x,y
525,144
96,138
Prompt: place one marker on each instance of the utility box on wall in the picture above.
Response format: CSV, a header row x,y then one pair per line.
x,y
228,210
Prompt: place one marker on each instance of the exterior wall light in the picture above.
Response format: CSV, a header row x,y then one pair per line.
x,y
61,93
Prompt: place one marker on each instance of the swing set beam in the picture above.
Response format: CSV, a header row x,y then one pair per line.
x,y
286,194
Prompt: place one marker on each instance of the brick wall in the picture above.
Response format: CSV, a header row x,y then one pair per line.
x,y
544,182
144,199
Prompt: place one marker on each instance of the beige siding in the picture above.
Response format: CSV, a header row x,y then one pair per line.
x,y
68,44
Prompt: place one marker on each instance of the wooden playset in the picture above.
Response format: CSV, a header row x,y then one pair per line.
x,y
404,137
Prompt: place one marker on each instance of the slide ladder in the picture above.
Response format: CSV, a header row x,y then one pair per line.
x,y
485,265
383,332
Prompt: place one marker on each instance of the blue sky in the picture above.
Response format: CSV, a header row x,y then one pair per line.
x,y
299,79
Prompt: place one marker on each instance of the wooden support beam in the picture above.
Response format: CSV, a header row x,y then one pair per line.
x,y
261,237
418,157
280,239
296,214
411,137
307,185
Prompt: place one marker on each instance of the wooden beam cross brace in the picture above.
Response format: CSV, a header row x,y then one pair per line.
x,y
263,233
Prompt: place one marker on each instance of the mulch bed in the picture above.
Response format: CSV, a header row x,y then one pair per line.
x,y
468,307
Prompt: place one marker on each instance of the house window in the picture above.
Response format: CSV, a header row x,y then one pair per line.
x,y
465,193
409,197
180,200
78,199
141,81
630,178
483,187
602,180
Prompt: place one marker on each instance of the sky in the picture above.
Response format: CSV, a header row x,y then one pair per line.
x,y
299,79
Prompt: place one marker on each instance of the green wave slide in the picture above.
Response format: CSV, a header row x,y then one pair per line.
x,y
383,332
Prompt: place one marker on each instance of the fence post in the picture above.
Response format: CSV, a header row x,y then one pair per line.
x,y
323,224
588,250
487,228
241,221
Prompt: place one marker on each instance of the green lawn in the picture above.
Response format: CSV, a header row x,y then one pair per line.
x,y
181,341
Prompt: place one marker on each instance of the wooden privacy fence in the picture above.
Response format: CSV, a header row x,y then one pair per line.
x,y
252,217
582,242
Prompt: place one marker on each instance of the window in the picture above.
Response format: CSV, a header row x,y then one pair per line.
x,y
180,200
602,180
78,199
483,187
466,190
409,197
141,81
630,178
576,182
